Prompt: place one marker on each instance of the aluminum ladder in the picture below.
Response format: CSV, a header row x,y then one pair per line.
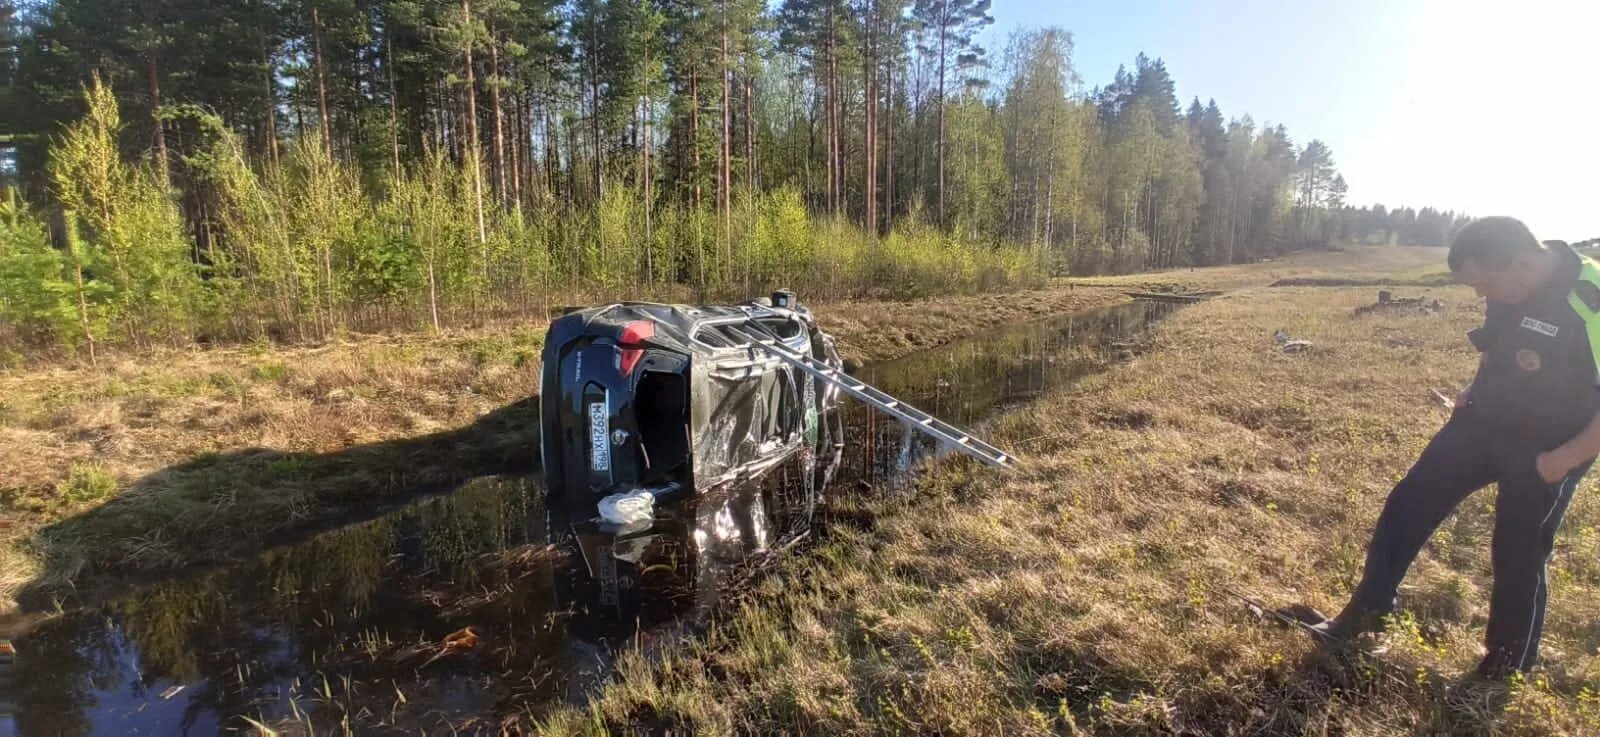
x,y
948,435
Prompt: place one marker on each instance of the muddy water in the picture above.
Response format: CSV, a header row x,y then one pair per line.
x,y
456,608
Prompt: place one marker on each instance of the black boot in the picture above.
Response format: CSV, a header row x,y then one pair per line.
x,y
1498,665
1354,625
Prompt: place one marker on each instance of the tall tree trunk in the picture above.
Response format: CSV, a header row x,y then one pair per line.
x,y
153,77
645,176
888,152
530,161
725,183
694,133
500,186
573,157
74,249
749,130
433,289
1050,180
641,126
322,83
944,35
1035,221
649,188
328,291
1015,165
394,107
918,123
869,164
1049,211
519,138
830,109
840,99
533,119
435,114
474,160
804,149
974,228
594,104
750,177
299,117
552,154
272,103
1072,236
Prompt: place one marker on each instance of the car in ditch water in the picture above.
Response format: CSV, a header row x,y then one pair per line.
x,y
650,401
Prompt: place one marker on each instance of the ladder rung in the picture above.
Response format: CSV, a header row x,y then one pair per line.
x,y
882,401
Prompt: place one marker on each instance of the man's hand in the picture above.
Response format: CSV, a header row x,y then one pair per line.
x,y
1559,462
1553,466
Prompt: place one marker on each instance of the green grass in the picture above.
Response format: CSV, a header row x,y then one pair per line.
x,y
518,348
86,484
272,371
286,468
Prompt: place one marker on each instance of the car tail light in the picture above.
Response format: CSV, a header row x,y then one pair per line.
x,y
637,332
634,334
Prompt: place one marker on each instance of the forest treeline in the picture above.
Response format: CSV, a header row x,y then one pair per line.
x,y
196,170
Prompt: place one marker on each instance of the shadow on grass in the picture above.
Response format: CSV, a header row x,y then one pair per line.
x,y
218,508
1329,682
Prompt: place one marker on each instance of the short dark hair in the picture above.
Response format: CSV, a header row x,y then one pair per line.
x,y
1493,242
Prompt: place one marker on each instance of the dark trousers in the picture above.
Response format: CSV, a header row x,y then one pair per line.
x,y
1466,455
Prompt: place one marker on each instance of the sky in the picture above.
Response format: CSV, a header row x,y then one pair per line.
x,y
1483,107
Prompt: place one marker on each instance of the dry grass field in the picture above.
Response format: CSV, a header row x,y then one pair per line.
x,y
162,460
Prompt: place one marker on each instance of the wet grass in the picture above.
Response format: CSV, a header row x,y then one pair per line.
x,y
1087,593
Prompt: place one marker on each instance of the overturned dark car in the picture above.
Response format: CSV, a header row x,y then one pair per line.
x,y
646,401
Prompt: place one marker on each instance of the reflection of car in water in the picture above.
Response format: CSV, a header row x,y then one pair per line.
x,y
623,579
629,587
673,400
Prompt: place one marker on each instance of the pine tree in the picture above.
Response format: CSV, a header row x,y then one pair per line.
x,y
463,32
899,132
10,48
951,27
1206,129
1314,174
38,282
129,225
691,32
816,31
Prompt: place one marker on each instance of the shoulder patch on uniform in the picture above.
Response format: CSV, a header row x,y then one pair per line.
x,y
1589,293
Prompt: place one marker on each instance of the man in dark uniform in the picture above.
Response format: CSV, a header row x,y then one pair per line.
x,y
1528,422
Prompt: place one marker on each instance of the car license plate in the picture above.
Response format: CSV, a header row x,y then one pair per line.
x,y
599,437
